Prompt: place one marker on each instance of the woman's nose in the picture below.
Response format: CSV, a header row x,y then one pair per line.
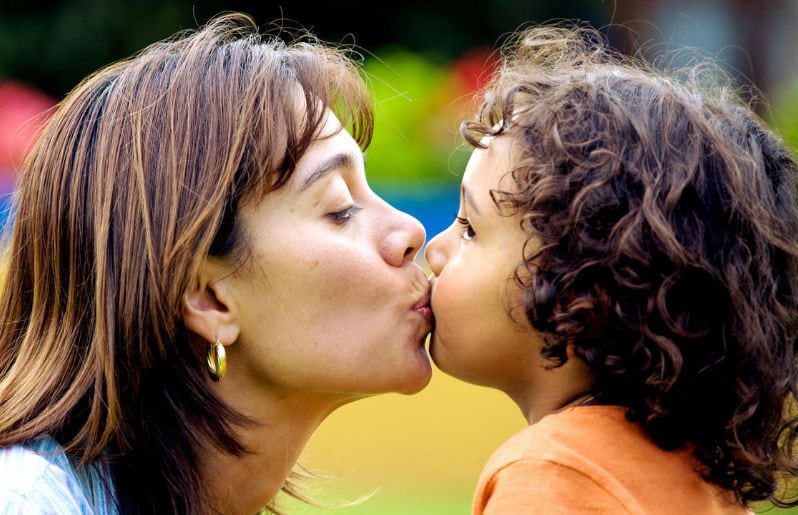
x,y
405,240
434,254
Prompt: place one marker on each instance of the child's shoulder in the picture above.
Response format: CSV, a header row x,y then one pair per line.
x,y
578,428
598,448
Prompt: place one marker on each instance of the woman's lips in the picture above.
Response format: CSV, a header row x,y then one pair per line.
x,y
422,307
425,312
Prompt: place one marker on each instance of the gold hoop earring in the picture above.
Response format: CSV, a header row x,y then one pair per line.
x,y
217,361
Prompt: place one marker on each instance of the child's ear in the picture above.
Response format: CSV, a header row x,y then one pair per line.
x,y
208,308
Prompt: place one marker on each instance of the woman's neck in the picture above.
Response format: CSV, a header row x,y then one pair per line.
x,y
283,425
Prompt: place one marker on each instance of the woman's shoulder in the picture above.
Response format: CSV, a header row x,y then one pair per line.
x,y
37,477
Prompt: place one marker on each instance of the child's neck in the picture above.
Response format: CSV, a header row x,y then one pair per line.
x,y
553,390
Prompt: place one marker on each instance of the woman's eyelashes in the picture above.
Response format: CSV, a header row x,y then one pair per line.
x,y
344,215
468,229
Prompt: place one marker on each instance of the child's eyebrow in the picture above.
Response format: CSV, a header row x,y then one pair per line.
x,y
469,200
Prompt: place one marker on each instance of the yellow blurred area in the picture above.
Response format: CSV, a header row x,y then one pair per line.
x,y
430,443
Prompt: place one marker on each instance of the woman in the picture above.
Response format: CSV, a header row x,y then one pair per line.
x,y
198,275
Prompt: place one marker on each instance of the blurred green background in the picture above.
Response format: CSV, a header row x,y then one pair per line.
x,y
424,61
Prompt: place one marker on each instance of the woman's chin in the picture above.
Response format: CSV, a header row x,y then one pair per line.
x,y
406,379
422,377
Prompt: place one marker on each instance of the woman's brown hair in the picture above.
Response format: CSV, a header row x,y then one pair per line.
x,y
136,179
663,247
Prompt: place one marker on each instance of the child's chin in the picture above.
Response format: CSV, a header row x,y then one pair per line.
x,y
443,359
435,349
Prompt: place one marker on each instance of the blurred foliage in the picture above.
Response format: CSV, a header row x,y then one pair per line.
x,y
404,87
419,106
419,56
783,115
53,44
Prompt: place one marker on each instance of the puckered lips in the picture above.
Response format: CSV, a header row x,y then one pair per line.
x,y
422,307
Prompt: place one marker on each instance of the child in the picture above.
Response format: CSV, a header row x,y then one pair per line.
x,y
624,266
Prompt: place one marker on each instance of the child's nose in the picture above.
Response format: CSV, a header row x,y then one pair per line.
x,y
434,254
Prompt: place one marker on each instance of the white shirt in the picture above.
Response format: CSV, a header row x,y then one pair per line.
x,y
37,478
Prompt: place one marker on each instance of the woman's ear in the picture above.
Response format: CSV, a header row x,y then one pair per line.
x,y
208,309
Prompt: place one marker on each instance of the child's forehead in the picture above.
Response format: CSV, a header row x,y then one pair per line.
x,y
488,167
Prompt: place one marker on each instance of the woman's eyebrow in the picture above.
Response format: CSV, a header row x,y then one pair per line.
x,y
342,160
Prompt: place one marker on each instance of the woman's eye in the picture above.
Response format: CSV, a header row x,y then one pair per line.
x,y
468,230
344,215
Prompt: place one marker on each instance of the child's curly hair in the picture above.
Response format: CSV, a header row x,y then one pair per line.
x,y
662,249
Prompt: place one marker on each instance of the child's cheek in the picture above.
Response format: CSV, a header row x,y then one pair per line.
x,y
450,299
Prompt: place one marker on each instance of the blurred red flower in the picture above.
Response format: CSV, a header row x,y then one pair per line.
x,y
23,112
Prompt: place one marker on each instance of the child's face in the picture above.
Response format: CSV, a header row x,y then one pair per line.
x,y
475,338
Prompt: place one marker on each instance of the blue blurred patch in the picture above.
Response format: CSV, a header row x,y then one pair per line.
x,y
6,211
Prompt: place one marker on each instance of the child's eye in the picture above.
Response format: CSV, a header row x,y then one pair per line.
x,y
468,230
344,215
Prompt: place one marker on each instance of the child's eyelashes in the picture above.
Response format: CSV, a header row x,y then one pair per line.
x,y
468,230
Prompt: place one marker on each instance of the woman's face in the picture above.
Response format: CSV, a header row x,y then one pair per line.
x,y
479,336
330,300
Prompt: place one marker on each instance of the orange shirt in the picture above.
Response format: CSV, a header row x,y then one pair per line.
x,y
591,460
